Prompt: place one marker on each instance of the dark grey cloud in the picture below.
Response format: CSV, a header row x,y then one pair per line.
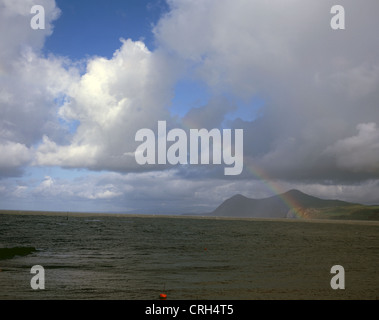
x,y
320,86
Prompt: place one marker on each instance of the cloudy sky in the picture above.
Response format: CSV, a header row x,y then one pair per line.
x,y
73,96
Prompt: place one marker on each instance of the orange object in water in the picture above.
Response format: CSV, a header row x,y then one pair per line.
x,y
163,296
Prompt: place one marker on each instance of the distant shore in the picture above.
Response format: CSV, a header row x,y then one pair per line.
x,y
175,216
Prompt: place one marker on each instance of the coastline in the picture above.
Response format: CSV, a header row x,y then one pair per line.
x,y
179,216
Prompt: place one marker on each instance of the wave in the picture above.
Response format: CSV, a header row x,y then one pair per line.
x,y
9,253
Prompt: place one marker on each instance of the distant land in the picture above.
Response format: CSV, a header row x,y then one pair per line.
x,y
291,205
295,204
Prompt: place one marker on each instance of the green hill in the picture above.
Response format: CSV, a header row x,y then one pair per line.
x,y
301,206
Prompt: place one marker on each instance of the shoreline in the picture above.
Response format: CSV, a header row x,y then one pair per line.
x,y
178,216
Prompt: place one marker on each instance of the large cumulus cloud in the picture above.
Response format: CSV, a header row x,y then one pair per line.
x,y
113,100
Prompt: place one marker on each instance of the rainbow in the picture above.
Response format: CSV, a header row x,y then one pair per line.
x,y
276,187
273,185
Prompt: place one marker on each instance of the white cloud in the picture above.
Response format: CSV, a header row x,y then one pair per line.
x,y
50,154
144,192
87,188
113,100
17,34
13,155
30,83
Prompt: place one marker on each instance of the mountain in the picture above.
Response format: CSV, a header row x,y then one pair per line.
x,y
294,204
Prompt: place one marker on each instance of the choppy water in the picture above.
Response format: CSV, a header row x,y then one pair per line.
x,y
138,258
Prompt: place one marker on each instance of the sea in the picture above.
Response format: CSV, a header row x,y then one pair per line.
x,y
187,258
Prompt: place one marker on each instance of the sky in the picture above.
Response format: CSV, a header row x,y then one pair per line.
x,y
74,94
